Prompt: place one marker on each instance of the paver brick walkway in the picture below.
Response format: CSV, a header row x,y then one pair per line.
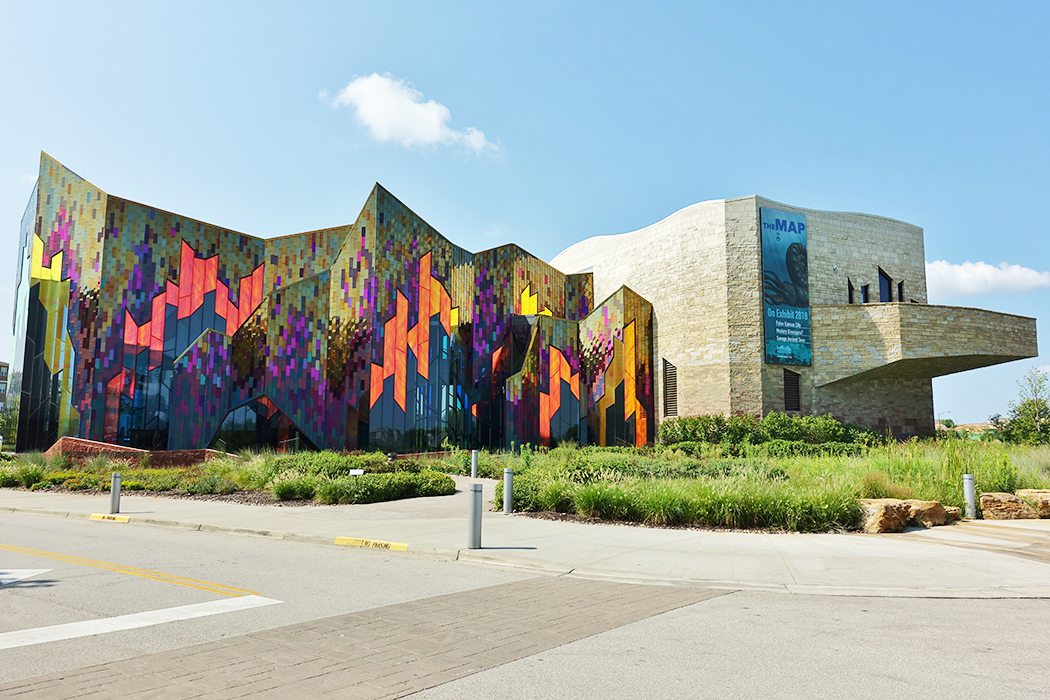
x,y
384,652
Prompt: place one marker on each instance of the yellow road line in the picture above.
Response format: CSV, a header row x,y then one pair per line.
x,y
107,516
372,544
209,586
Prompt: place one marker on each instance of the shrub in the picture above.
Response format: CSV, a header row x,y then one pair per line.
x,y
299,488
157,479
799,448
374,488
327,463
82,482
26,475
209,483
434,483
8,478
744,430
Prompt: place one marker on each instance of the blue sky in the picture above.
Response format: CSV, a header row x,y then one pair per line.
x,y
550,122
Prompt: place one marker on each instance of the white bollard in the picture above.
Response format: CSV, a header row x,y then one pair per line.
x,y
508,491
474,520
114,493
473,464
970,495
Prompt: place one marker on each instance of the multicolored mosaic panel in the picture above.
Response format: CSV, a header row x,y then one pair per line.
x,y
616,342
146,328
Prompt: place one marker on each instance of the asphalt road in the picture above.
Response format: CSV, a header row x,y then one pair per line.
x,y
311,581
742,644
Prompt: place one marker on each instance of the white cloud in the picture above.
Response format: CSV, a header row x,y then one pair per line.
x,y
392,110
945,279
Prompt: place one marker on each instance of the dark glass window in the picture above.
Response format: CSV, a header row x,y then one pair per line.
x,y
849,288
792,391
864,293
900,291
885,286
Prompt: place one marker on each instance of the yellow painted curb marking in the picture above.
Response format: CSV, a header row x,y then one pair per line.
x,y
372,544
107,516
209,586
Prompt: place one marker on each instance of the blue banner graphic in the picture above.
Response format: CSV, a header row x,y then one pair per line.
x,y
785,287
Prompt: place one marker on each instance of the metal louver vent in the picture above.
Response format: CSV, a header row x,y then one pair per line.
x,y
670,389
792,392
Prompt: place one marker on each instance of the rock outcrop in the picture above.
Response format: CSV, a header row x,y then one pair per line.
x,y
884,514
1005,506
895,514
926,513
1039,499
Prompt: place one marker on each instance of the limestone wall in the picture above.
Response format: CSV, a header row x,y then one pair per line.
x,y
678,264
701,269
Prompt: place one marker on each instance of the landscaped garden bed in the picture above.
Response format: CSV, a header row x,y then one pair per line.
x,y
809,474
263,477
787,473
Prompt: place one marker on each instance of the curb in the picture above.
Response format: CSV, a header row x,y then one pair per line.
x,y
472,556
433,552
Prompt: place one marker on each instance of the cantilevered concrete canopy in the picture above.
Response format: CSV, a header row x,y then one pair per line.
x,y
914,341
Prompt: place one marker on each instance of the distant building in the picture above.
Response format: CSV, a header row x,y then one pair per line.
x,y
4,369
142,327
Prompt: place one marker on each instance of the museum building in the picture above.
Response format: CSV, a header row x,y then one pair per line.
x,y
141,327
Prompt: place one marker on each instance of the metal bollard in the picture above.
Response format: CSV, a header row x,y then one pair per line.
x,y
474,521
970,496
114,493
473,464
508,491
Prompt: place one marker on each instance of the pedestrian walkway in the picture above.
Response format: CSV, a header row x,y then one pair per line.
x,y
383,652
979,559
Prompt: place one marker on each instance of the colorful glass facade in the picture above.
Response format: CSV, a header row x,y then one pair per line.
x,y
142,327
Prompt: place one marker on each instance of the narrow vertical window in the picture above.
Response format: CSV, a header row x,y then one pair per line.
x,y
670,389
865,293
885,286
792,391
900,291
849,289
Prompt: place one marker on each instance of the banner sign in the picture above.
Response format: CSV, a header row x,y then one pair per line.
x,y
785,287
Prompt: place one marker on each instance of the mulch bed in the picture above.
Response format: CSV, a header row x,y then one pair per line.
x,y
251,498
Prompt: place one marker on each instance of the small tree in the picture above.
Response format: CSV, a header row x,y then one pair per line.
x,y
9,424
1028,420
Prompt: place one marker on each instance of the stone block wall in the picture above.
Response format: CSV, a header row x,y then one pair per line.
x,y
744,301
872,363
680,266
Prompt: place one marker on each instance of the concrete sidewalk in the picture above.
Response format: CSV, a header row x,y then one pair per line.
x,y
973,559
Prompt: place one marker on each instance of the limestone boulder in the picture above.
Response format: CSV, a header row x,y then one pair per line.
x,y
884,514
954,513
1005,506
1038,499
926,513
